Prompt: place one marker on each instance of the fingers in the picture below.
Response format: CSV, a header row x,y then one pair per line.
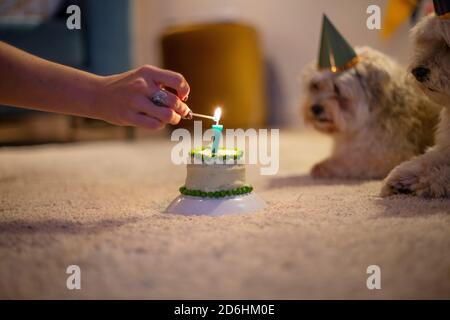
x,y
173,102
144,121
164,114
167,78
168,99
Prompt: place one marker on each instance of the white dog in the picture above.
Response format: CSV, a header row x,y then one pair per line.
x,y
374,113
429,175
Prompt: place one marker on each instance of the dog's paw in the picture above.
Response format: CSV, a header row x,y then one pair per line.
x,y
400,181
415,178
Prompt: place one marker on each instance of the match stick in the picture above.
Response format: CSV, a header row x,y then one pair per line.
x,y
202,116
190,115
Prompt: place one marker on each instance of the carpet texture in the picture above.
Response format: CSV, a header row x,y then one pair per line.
x,y
99,206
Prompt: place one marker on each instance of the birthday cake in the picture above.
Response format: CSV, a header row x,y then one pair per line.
x,y
215,175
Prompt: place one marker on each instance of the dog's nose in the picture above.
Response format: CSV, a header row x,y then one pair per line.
x,y
317,109
420,73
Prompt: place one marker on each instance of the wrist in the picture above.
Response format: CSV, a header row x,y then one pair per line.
x,y
95,96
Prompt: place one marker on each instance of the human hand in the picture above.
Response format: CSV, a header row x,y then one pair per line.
x,y
124,99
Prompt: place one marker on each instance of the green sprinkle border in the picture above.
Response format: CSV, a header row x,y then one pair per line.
x,y
196,153
216,194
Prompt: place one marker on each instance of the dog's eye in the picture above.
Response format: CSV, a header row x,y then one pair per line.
x,y
314,86
336,90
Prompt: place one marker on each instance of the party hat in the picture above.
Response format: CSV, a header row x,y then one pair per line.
x,y
335,53
442,8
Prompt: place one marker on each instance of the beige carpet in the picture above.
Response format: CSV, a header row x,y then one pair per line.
x,y
99,206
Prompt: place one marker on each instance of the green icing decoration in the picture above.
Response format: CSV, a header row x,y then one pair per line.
x,y
216,194
205,154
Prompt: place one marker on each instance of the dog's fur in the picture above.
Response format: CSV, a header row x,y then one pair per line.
x,y
428,175
375,115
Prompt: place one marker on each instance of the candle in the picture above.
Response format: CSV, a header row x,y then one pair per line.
x,y
217,131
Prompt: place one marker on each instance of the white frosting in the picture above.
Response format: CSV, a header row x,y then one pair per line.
x,y
215,177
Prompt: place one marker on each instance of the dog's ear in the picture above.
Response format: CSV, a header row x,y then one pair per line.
x,y
374,69
426,30
445,30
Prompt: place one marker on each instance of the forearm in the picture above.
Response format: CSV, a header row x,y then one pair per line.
x,y
31,82
121,99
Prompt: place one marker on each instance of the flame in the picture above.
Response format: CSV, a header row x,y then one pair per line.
x,y
217,115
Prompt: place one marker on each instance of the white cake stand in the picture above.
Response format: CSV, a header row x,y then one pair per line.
x,y
189,205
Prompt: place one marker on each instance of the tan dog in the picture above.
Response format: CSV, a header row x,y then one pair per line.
x,y
373,112
429,175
